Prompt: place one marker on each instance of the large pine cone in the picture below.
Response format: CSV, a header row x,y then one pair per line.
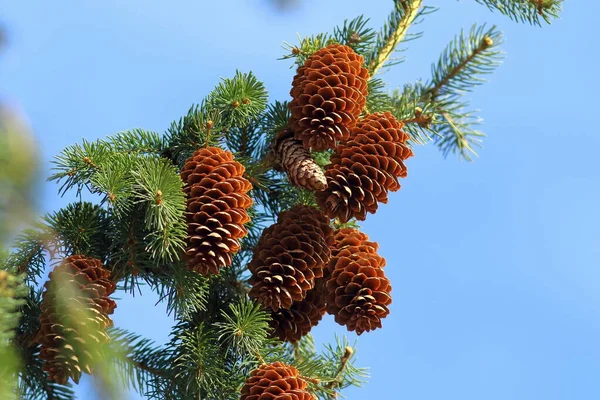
x,y
276,381
77,287
364,168
291,325
216,208
289,255
297,162
328,94
358,292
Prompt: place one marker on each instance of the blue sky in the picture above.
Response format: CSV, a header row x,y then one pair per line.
x,y
494,264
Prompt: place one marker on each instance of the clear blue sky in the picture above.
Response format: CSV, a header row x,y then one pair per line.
x,y
494,264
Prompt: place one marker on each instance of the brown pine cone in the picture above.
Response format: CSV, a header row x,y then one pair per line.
x,y
358,292
289,256
365,168
328,94
297,162
291,325
216,208
276,381
83,286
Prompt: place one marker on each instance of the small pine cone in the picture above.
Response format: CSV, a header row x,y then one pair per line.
x,y
216,208
297,162
63,335
328,94
289,256
291,325
358,292
276,381
365,168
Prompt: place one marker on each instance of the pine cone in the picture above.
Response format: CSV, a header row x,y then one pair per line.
x,y
358,292
291,325
289,256
216,208
297,162
364,168
328,94
276,381
63,335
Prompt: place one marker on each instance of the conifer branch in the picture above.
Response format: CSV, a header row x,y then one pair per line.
x,y
441,81
337,380
532,11
405,13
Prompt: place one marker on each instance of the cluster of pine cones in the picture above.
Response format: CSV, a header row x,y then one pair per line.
x,y
301,267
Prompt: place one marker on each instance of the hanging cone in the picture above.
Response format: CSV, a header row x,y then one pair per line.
x,y
276,381
328,94
289,256
65,338
365,168
358,292
291,325
297,162
216,208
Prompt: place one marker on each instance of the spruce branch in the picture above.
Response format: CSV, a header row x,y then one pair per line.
x,y
356,34
159,189
240,99
336,381
136,141
531,11
80,228
459,70
307,46
395,32
244,328
200,127
464,60
29,251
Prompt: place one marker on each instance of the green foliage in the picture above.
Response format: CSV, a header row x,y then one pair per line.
x,y
244,329
394,32
19,168
198,364
532,11
406,104
200,127
307,47
29,253
160,193
12,293
80,228
378,100
240,99
459,70
136,141
356,34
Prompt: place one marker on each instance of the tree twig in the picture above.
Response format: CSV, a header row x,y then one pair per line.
x,y
486,43
411,8
337,380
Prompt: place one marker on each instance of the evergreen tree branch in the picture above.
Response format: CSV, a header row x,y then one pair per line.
x,y
462,61
532,11
394,32
459,70
337,380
